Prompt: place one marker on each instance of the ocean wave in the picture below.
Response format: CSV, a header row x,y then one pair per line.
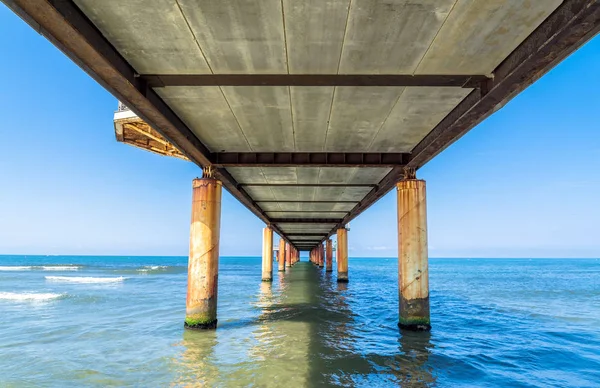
x,y
60,267
84,279
29,296
15,268
153,268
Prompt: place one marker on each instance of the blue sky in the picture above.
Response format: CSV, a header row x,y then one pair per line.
x,y
525,183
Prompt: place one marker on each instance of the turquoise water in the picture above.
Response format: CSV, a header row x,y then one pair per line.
x,y
118,321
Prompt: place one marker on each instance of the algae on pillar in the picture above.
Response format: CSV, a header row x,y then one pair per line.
x,y
329,256
342,255
203,263
413,272
281,264
267,258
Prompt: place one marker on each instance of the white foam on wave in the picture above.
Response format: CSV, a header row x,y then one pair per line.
x,y
15,268
152,268
60,268
29,296
84,279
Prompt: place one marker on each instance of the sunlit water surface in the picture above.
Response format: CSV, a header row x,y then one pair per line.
x,y
118,321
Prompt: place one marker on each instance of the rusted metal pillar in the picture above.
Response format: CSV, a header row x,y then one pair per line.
x,y
281,264
413,273
203,263
321,256
342,255
267,258
329,256
288,255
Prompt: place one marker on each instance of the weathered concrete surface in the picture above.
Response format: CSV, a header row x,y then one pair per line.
x,y
267,255
203,263
413,272
263,114
306,24
390,37
478,35
207,113
240,36
152,35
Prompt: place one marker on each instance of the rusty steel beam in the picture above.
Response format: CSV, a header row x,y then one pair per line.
x,y
311,159
463,81
65,26
572,24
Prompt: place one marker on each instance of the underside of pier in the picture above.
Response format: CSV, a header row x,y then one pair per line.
x,y
310,111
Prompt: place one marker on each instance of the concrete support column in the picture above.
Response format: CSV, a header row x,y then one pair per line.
x,y
203,263
267,258
413,273
288,255
329,256
342,255
281,264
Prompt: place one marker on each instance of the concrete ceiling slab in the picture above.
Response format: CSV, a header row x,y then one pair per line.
x,y
264,116
357,115
314,33
416,113
311,107
151,34
342,193
244,36
289,206
207,113
390,37
478,35
308,215
260,193
305,228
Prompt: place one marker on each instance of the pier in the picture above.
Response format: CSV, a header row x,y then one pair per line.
x,y
309,112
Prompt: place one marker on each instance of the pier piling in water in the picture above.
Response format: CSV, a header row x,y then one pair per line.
x,y
413,273
281,258
321,256
267,255
342,255
203,263
288,255
329,256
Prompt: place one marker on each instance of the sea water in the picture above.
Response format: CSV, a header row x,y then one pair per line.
x,y
74,321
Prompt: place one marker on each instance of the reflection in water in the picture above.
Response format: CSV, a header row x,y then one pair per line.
x,y
197,366
411,366
303,333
